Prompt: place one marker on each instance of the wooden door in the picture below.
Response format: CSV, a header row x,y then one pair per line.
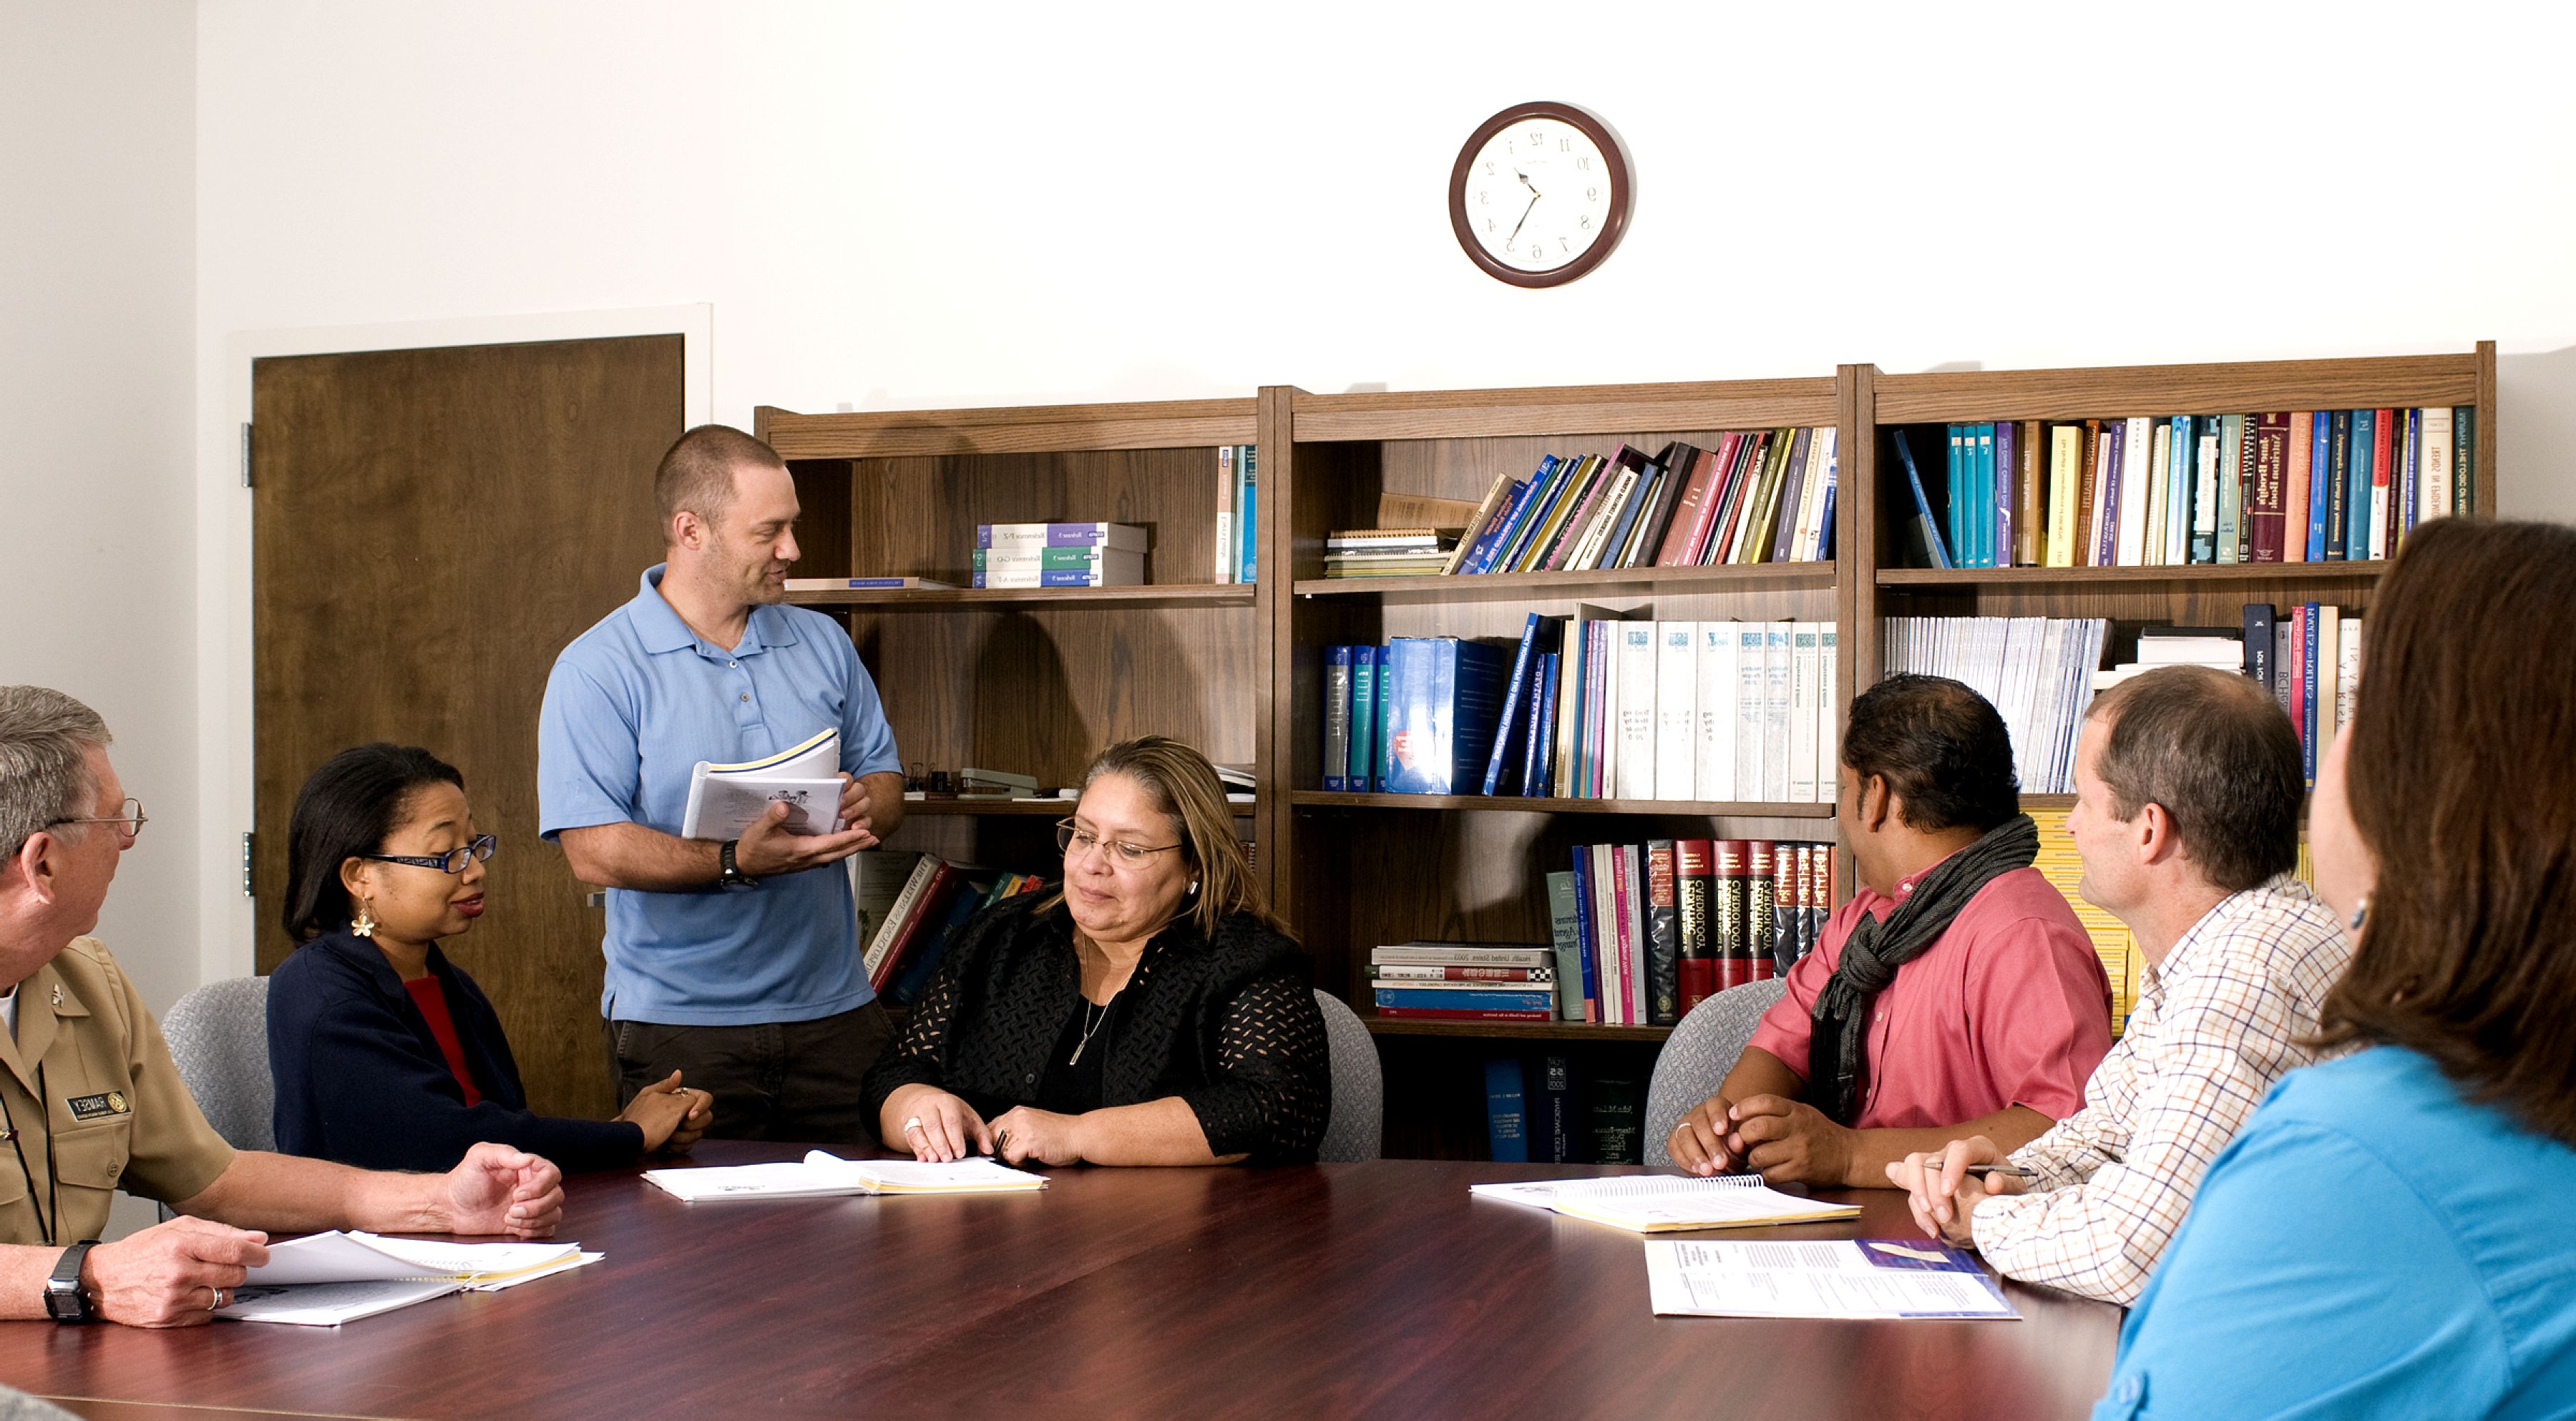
x,y
429,528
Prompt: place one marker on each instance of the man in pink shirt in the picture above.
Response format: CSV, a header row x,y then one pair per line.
x,y
1956,995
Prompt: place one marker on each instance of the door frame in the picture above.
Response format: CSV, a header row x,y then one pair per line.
x,y
226,926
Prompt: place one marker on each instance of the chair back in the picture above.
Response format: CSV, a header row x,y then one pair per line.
x,y
1694,1062
1359,1101
218,1037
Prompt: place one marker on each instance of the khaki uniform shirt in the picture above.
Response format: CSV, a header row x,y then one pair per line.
x,y
89,1061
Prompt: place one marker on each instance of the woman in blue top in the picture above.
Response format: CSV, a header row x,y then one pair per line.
x,y
2388,1237
385,1055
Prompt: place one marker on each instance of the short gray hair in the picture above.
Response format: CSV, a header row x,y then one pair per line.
x,y
43,775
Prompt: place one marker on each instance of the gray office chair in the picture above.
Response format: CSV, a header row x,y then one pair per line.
x,y
1694,1062
1359,1101
16,1405
218,1038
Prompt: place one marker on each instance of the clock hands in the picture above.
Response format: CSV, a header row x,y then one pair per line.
x,y
1525,212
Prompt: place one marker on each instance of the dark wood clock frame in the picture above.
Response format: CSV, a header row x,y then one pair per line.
x,y
1613,226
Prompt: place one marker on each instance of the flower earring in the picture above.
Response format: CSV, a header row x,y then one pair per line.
x,y
364,925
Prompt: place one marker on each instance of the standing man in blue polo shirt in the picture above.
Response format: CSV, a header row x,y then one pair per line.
x,y
734,963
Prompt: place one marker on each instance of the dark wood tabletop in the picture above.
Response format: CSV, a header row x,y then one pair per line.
x,y
1375,1289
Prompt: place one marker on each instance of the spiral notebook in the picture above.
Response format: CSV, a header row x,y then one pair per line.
x,y
1664,1203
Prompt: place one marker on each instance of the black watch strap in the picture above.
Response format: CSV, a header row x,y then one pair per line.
x,y
728,873
64,1300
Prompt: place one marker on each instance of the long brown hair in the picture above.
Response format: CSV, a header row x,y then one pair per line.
x,y
1185,788
2462,779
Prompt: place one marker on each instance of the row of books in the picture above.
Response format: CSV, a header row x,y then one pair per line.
x,y
1547,1111
2310,655
1059,555
2298,486
908,904
1238,514
1764,495
1590,706
1655,929
2037,672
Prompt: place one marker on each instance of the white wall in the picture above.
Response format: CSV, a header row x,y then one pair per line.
x,y
97,341
918,205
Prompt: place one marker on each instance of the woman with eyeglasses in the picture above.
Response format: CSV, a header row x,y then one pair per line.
x,y
1150,1010
384,1054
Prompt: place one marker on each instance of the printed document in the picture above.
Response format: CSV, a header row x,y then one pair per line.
x,y
725,799
1837,1278
820,1176
1663,1203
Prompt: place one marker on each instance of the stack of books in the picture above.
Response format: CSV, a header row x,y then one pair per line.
x,y
908,904
2037,672
1591,706
1238,514
2218,648
2297,486
1465,981
973,783
1761,496
2310,655
1059,555
1387,552
1644,932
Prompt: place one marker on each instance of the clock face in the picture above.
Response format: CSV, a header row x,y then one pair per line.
x,y
1539,195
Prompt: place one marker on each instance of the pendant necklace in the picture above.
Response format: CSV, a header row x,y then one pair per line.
x,y
1089,1026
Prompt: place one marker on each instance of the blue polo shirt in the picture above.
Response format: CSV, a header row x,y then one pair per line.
x,y
631,708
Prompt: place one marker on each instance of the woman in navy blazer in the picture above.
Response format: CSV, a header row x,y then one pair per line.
x,y
386,1055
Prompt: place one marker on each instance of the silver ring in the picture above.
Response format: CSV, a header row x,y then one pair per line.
x,y
910,1125
218,1304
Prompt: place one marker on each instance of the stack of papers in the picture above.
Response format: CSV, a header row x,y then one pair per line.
x,y
327,1279
820,1175
1661,1203
1839,1278
725,799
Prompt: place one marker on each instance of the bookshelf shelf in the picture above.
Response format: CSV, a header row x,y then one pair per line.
x,y
1325,799
1002,598
1533,586
1514,1030
2310,573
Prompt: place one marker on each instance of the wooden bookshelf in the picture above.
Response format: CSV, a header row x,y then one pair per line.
x,y
1033,680
1037,681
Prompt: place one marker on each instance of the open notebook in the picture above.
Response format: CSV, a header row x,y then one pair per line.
x,y
325,1279
1662,1203
725,799
820,1175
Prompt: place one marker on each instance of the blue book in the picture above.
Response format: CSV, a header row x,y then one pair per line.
x,y
2356,536
1337,718
1981,514
1538,764
1506,1112
1583,933
2007,437
1524,520
1537,997
2320,478
2258,642
1955,474
1556,1130
1511,734
2308,630
1481,558
1249,565
2338,485
1380,732
2404,517
1935,552
1363,719
2178,456
1448,696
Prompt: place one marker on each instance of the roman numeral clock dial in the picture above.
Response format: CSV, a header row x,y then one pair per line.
x,y
1540,194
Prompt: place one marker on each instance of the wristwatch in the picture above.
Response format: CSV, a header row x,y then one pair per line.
x,y
64,1300
729,874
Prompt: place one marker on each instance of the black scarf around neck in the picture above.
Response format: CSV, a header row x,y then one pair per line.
x,y
1838,1050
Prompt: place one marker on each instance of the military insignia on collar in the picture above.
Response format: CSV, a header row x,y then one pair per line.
x,y
99,1107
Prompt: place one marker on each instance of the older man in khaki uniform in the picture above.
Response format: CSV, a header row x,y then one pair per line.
x,y
89,1100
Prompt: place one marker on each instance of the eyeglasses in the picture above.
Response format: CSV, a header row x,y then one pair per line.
x,y
1073,840
452,861
130,822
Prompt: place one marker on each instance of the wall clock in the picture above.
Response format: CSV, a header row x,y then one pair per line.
x,y
1540,194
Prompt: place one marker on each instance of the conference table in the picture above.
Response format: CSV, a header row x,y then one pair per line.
x,y
1376,1289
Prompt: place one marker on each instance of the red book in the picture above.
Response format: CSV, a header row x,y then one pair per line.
x,y
1695,862
2294,493
2268,507
1396,975
2382,451
1761,908
1698,507
930,907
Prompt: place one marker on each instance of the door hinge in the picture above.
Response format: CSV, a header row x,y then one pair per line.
x,y
246,838
245,455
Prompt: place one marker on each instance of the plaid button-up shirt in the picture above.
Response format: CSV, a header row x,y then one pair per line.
x,y
2216,1025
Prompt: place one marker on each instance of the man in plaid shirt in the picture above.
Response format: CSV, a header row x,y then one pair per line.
x,y
2188,782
